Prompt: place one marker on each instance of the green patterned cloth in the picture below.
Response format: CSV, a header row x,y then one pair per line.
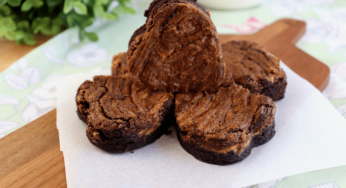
x,y
28,87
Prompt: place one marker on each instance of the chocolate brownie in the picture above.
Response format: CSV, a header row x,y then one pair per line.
x,y
254,68
223,127
122,114
178,49
275,90
119,65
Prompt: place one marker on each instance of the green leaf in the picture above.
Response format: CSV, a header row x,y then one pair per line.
x,y
35,24
79,18
46,30
14,3
122,2
45,16
41,25
5,10
19,42
2,2
53,3
8,23
2,32
19,35
29,39
23,25
37,3
81,34
57,21
87,22
46,20
80,8
119,10
101,2
10,35
123,8
31,15
70,21
68,6
56,29
130,10
38,29
26,6
98,10
110,16
92,36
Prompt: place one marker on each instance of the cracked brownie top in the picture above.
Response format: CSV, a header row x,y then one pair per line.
x,y
178,49
254,68
121,105
225,120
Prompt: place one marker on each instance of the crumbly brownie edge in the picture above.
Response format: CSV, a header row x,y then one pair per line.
x,y
139,31
82,117
212,157
124,144
154,5
275,91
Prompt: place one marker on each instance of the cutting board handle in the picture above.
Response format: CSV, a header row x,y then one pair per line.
x,y
293,32
279,38
290,31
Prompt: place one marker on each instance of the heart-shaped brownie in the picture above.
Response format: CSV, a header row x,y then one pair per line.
x,y
223,127
122,114
178,49
254,68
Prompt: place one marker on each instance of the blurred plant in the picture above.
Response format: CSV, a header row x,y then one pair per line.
x,y
21,19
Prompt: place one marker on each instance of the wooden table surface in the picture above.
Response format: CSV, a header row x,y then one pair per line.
x,y
10,52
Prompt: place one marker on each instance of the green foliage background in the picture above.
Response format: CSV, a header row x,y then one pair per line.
x,y
20,20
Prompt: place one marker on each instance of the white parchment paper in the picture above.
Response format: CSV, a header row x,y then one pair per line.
x,y
310,135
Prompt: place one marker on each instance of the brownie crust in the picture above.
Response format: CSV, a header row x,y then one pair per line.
x,y
122,114
177,50
119,65
212,157
127,143
254,68
223,127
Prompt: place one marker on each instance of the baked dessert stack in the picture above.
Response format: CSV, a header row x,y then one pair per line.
x,y
175,60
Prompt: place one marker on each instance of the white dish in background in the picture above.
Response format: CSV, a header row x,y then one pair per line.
x,y
229,4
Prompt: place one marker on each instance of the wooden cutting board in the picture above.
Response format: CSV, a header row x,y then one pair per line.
x,y
31,157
